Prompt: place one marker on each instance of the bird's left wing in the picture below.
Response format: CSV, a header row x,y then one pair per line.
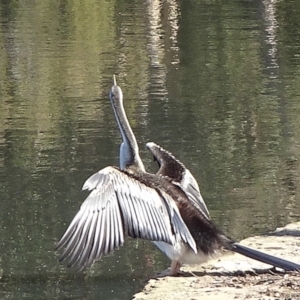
x,y
118,205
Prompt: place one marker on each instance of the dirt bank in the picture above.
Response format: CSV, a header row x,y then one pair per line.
x,y
234,276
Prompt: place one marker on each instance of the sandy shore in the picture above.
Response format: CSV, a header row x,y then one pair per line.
x,y
234,276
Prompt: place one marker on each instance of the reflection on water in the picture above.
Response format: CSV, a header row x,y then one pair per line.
x,y
215,84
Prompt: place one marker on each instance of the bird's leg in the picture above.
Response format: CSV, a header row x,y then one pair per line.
x,y
172,271
175,268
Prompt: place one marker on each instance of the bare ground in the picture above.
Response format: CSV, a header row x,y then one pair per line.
x,y
234,276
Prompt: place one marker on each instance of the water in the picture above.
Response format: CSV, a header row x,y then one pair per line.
x,y
216,84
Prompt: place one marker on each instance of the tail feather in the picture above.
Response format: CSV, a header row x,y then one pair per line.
x,y
265,258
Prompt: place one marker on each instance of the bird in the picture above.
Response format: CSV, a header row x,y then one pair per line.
x,y
124,200
166,208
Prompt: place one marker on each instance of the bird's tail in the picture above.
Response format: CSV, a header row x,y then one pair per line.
x,y
265,258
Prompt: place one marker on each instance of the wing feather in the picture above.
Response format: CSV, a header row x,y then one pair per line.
x,y
81,242
143,213
190,186
89,242
96,244
71,237
101,236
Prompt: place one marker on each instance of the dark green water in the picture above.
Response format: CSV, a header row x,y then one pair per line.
x,y
217,84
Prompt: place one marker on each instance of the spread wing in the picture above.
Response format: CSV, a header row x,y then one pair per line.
x,y
173,168
118,205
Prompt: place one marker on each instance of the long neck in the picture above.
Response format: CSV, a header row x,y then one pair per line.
x,y
129,150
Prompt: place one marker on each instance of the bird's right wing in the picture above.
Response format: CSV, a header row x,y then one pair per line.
x,y
173,168
117,205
